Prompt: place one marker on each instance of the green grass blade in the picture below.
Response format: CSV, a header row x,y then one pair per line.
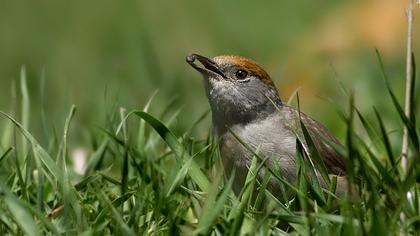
x,y
115,203
213,207
309,173
408,121
385,138
124,167
200,119
195,172
38,151
238,212
413,101
7,132
21,214
373,135
61,161
316,164
180,173
6,153
124,228
25,106
141,136
22,182
331,189
96,157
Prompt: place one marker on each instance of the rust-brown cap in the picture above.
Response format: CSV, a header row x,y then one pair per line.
x,y
246,64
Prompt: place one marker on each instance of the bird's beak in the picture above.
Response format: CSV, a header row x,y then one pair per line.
x,y
210,67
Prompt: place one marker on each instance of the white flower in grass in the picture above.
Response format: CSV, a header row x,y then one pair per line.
x,y
409,196
79,157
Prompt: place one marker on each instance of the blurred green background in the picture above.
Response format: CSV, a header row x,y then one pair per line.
x,y
96,53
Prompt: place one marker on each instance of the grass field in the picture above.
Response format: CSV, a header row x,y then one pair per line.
x,y
135,154
141,179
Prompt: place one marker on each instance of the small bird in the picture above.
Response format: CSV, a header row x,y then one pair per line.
x,y
244,101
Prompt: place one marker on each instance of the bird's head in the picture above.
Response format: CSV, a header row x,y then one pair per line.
x,y
238,89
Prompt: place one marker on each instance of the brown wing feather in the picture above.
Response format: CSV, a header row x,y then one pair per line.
x,y
333,161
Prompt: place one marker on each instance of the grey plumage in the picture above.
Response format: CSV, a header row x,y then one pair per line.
x,y
244,101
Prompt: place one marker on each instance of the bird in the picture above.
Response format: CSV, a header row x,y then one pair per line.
x,y
246,109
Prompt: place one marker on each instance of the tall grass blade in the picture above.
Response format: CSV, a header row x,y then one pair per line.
x,y
25,106
21,214
179,174
6,153
96,158
372,134
385,138
238,212
38,151
61,161
120,223
314,153
124,167
141,137
409,122
213,207
195,172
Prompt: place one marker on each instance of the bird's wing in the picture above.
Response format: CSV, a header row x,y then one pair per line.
x,y
333,161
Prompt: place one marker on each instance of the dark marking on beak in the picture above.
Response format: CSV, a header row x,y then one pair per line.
x,y
210,67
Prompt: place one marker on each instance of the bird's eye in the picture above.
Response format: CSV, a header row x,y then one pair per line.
x,y
241,74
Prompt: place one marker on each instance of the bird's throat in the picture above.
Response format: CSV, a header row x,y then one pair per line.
x,y
225,117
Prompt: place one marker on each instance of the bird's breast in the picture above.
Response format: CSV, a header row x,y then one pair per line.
x,y
269,138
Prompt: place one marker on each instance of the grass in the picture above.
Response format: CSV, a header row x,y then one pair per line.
x,y
141,179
